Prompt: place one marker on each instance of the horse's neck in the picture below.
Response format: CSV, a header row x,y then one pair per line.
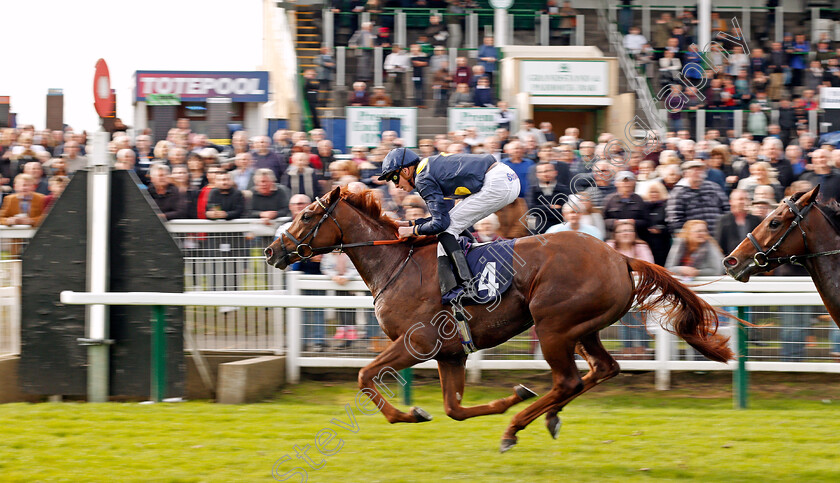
x,y
375,264
824,269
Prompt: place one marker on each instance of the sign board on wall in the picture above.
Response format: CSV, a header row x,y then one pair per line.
x,y
363,124
249,86
830,98
482,118
564,77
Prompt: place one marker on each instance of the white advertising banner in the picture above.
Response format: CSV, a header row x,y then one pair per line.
x,y
564,77
829,97
482,118
364,124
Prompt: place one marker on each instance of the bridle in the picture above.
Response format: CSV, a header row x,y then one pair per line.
x,y
761,257
310,252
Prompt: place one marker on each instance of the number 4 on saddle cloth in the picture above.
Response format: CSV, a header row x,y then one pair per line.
x,y
493,269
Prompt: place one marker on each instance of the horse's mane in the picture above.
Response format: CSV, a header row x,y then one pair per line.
x,y
831,210
367,202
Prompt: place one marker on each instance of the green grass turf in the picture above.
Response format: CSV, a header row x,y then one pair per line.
x,y
623,433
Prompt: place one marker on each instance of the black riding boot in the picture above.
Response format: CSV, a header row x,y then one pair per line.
x,y
457,257
445,275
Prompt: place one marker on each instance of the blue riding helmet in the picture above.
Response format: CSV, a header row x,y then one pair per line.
x,y
397,159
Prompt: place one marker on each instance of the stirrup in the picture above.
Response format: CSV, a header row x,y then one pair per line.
x,y
463,331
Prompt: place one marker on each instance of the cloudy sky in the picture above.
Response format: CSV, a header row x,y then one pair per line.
x,y
55,44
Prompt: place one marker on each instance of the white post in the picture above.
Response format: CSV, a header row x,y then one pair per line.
x,y
815,20
453,58
340,69
780,19
812,122
474,370
579,33
377,66
701,124
646,21
704,18
327,16
294,335
738,122
746,23
500,29
278,314
98,209
664,343
543,37
401,35
511,39
472,30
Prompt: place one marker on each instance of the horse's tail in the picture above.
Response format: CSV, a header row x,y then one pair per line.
x,y
689,316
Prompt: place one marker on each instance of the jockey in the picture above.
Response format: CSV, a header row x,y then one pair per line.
x,y
484,184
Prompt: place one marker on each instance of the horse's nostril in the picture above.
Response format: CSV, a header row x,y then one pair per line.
x,y
731,261
269,252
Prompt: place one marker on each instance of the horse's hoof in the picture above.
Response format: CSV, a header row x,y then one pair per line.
x,y
553,424
507,444
420,415
523,392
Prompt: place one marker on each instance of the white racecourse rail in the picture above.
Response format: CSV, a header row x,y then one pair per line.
x,y
784,292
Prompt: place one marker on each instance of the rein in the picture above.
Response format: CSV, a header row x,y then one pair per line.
x,y
761,257
305,251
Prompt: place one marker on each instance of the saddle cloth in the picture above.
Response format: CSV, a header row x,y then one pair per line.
x,y
492,268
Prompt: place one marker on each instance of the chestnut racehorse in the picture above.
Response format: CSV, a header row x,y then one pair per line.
x,y
568,285
795,232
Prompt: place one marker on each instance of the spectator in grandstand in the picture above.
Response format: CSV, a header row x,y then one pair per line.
x,y
632,330
573,223
310,88
438,60
383,37
625,205
547,196
57,185
695,198
36,171
269,200
224,202
486,229
441,84
814,75
437,33
734,226
243,174
548,132
634,41
362,42
396,65
380,98
24,206
799,51
326,70
757,122
265,157
488,57
419,62
463,73
823,174
167,196
358,96
662,30
301,178
504,116
483,94
603,173
73,160
657,235
529,127
695,253
462,97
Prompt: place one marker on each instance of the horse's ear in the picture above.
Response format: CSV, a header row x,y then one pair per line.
x,y
810,196
335,193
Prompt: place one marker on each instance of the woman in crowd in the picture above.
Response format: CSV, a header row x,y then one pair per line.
x,y
632,331
761,174
658,235
197,174
694,253
486,229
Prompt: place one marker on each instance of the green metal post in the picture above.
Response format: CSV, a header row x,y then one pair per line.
x,y
158,353
740,381
408,375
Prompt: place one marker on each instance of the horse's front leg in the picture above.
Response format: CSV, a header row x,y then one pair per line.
x,y
384,370
452,384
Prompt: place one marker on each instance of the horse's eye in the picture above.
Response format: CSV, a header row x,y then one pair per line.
x,y
305,217
775,223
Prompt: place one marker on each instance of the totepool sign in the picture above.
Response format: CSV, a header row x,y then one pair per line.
x,y
198,86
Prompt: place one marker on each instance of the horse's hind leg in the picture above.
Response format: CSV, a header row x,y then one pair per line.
x,y
602,366
372,379
452,384
558,350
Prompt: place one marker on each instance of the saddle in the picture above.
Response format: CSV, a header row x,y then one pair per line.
x,y
492,265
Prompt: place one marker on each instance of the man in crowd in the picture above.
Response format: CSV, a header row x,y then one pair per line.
x,y
265,157
397,63
733,227
167,196
25,206
546,198
695,198
269,200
